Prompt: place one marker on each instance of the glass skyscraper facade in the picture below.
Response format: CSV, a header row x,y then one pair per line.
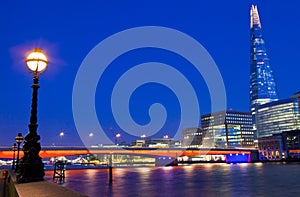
x,y
227,129
262,84
270,115
277,117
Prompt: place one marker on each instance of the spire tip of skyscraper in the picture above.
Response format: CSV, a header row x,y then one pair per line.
x,y
254,16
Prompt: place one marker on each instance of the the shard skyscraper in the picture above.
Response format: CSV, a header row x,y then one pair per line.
x,y
262,84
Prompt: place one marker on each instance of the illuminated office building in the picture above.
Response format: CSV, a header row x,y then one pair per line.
x,y
277,117
227,129
262,84
192,137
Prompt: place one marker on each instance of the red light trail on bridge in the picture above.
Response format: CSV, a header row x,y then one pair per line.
x,y
48,153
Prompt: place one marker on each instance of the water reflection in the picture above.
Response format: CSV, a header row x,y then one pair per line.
x,y
196,180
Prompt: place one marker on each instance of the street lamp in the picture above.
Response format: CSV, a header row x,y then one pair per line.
x,y
31,167
117,138
19,140
61,134
143,136
14,149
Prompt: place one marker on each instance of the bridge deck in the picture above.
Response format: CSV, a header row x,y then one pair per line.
x,y
171,152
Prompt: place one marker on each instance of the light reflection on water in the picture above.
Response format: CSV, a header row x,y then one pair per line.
x,y
194,180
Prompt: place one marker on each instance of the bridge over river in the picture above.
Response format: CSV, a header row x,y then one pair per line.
x,y
48,152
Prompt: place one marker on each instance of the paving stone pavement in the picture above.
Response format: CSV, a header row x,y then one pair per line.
x,y
2,194
39,189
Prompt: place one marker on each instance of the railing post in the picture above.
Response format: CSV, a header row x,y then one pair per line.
x,y
110,170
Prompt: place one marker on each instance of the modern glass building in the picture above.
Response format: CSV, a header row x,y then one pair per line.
x,y
277,117
192,137
227,129
262,84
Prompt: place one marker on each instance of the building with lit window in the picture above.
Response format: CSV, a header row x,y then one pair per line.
x,y
262,83
277,117
278,147
192,137
291,143
227,129
164,142
271,148
291,139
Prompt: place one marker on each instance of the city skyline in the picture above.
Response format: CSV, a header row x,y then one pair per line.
x,y
55,111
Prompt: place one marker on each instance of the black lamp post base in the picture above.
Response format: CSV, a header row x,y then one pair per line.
x,y
31,167
28,172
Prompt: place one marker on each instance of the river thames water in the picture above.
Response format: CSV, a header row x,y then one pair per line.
x,y
241,180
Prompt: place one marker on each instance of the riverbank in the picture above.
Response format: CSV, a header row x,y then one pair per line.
x,y
10,188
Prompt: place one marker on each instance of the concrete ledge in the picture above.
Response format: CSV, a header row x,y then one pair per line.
x,y
37,189
44,189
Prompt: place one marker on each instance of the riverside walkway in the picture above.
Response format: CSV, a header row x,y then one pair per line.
x,y
34,189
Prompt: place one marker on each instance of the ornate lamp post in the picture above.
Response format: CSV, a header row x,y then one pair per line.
x,y
14,149
31,167
19,140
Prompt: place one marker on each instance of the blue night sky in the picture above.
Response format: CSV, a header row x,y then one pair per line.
x,y
68,30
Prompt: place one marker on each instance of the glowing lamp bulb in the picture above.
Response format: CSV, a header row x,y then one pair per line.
x,y
36,61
